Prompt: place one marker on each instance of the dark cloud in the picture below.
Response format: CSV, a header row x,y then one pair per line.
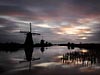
x,y
16,13
95,38
96,34
90,7
7,24
2,21
5,31
12,10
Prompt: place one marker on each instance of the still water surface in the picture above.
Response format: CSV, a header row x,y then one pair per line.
x,y
55,60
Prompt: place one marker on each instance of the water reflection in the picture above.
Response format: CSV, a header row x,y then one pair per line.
x,y
29,55
83,57
52,60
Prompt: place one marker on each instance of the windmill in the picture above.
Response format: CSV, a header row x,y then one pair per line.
x,y
28,46
29,40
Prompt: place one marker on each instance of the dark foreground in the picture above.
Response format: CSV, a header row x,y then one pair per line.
x,y
57,69
56,60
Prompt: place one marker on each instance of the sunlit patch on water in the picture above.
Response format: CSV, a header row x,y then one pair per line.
x,y
84,51
53,65
59,57
17,59
47,64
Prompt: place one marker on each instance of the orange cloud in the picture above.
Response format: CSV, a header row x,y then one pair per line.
x,y
80,32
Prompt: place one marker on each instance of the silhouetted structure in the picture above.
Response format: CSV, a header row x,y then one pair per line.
x,y
43,43
28,46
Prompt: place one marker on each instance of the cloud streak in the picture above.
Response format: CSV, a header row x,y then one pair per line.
x,y
62,18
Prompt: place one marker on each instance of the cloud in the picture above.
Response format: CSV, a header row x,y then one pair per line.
x,y
12,10
64,19
73,30
88,7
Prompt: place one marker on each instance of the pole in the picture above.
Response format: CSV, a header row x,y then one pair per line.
x,y
30,28
30,66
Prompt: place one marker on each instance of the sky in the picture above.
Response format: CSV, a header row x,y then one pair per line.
x,y
58,21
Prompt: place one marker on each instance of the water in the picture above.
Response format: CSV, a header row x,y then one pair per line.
x,y
55,60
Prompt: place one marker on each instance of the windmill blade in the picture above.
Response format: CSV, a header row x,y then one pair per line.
x,y
22,61
35,33
33,59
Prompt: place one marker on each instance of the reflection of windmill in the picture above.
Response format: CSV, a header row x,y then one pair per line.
x,y
28,45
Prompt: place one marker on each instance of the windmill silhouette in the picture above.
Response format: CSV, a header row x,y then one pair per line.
x,y
28,46
29,40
